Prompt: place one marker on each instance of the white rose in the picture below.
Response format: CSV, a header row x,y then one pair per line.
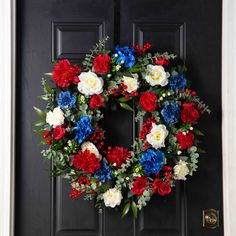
x,y
55,117
90,83
112,197
90,147
181,170
131,83
156,75
157,136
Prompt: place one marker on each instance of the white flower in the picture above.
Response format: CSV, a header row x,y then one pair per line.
x,y
90,83
90,147
131,83
181,170
156,75
55,117
112,197
157,136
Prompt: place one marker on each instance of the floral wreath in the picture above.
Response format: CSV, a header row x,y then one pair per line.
x,y
165,152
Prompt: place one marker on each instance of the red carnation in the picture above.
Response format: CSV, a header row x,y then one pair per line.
x,y
189,113
117,155
96,101
102,63
148,101
139,185
162,61
86,161
58,132
164,188
185,140
64,74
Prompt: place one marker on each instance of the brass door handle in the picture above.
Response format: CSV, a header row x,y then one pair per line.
x,y
210,218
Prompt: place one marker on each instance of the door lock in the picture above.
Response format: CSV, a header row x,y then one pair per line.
x,y
210,218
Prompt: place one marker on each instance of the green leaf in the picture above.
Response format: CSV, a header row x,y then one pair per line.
x,y
134,209
48,74
199,150
198,132
39,123
39,112
123,99
126,106
126,210
40,132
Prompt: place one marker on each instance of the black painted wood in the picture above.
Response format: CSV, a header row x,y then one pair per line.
x,y
55,29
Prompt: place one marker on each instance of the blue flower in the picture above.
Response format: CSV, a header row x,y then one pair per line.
x,y
104,173
83,128
170,113
125,54
177,82
66,100
152,161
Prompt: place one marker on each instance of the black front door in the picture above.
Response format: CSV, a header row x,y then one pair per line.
x,y
54,29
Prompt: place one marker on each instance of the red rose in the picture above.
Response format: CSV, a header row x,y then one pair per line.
x,y
156,184
164,188
162,61
117,155
102,63
86,161
185,140
139,185
189,113
64,74
148,101
96,101
58,132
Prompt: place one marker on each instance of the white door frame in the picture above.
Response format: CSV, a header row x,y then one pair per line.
x,y
7,117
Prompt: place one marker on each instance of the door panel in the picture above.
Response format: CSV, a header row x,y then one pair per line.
x,y
55,29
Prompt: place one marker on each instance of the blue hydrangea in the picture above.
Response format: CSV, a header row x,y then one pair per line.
x,y
104,174
125,54
66,100
83,128
177,82
152,161
170,113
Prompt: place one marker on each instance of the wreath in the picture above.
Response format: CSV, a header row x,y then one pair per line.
x,y
155,87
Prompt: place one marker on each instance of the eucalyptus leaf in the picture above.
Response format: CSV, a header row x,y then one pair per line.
x,y
126,106
126,210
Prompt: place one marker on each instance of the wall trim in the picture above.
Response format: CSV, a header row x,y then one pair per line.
x,y
7,104
229,115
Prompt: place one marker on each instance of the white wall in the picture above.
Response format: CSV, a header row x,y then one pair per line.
x,y
229,115
5,116
228,126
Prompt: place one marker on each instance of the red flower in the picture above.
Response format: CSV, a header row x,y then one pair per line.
x,y
64,74
156,184
86,161
139,185
96,101
117,155
102,63
146,127
164,188
46,134
148,101
58,132
189,113
162,61
185,140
